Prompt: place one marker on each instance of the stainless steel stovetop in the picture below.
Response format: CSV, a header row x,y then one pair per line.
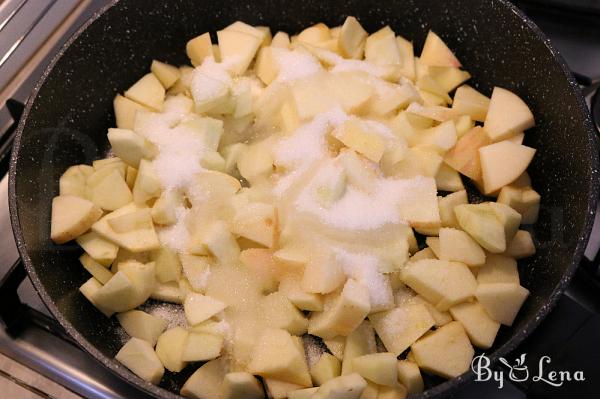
x,y
32,30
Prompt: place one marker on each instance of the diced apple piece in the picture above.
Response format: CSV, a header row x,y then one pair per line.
x,y
425,253
498,269
168,292
164,208
345,313
390,97
325,369
143,277
359,172
199,308
478,325
315,34
241,385
448,179
267,66
400,327
97,270
440,138
147,184
380,368
169,348
130,146
502,163
137,220
166,74
359,342
502,301
322,275
142,325
447,204
305,393
111,192
279,312
464,156
102,251
199,48
139,240
469,101
255,163
290,286
440,318
442,283
337,345
206,382
446,352
409,376
72,182
349,386
147,91
119,294
463,123
526,201
351,90
221,243
89,290
201,347
351,41
281,40
521,246
196,270
71,217
507,115
448,78
427,83
491,224
238,48
277,389
139,357
381,48
436,53
277,356
433,243
125,110
398,392
257,222
407,55
421,209
458,246
260,262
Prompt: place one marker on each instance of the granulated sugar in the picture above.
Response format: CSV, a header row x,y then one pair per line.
x,y
176,235
295,64
210,80
171,313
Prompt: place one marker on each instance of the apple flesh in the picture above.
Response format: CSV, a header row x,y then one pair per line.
x,y
351,41
201,347
206,382
502,301
502,163
464,156
498,269
468,101
101,250
379,368
71,217
458,246
139,357
199,308
325,369
125,111
507,115
142,325
98,271
147,91
521,246
410,377
436,52
349,386
241,385
73,181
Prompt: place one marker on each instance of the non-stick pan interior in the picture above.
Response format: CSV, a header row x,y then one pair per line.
x,y
68,119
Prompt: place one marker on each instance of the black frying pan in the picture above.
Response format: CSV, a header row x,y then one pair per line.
x,y
70,110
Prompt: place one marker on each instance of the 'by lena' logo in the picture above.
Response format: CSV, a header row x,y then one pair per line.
x,y
519,372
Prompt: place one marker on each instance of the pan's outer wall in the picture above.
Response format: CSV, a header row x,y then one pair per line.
x,y
66,124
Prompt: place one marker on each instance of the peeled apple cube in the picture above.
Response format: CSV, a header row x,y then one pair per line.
x,y
440,318
507,115
359,342
255,163
238,48
344,315
409,376
447,204
72,182
111,192
446,352
502,301
125,111
380,368
279,312
442,283
290,287
277,356
147,91
164,208
137,220
502,163
433,243
464,156
139,357
142,275
119,294
356,136
89,290
448,179
130,146
325,369
199,308
199,48
206,382
400,327
261,264
305,393
469,101
322,275
166,74
147,184
241,385
479,326
351,40
526,201
458,246
277,389
202,347
440,138
481,222
100,272
169,348
257,222
71,217
221,243
98,248
168,292
196,270
349,386
521,246
436,53
498,269
142,325
381,48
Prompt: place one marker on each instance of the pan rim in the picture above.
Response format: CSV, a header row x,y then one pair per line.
x,y
444,388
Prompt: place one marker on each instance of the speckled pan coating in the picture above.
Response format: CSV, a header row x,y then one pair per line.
x,y
66,118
